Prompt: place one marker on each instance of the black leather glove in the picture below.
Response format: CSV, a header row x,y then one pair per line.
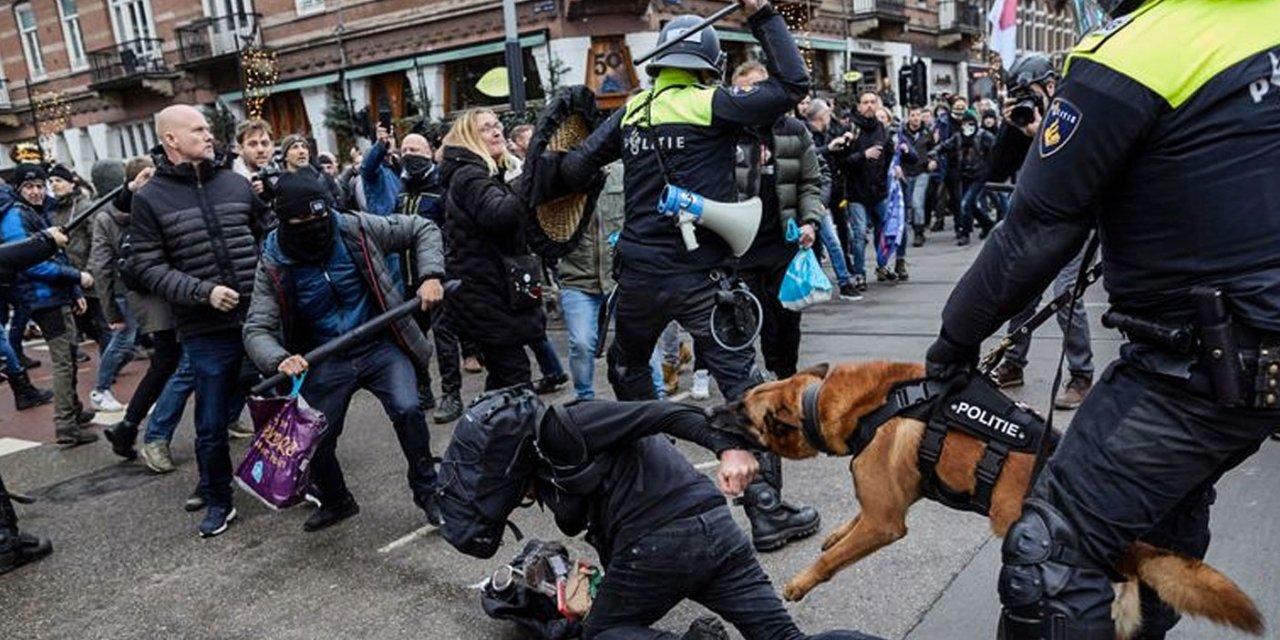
x,y
948,359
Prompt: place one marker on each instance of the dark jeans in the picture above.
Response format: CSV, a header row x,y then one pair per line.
x,y
1140,461
163,363
780,331
544,352
217,361
645,306
383,369
448,356
971,208
18,324
92,324
705,558
505,365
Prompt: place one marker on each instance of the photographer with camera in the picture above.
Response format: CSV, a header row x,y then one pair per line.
x,y
1032,81
257,151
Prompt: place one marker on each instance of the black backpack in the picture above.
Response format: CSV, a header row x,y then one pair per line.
x,y
127,264
487,467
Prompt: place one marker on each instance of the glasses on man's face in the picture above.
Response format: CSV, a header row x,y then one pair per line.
x,y
490,127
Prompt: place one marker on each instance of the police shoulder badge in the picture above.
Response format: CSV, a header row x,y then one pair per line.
x,y
1058,126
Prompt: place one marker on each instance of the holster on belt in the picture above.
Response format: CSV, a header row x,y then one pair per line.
x,y
1219,351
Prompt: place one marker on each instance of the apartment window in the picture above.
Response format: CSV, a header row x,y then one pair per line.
x,y
136,138
26,19
309,6
71,32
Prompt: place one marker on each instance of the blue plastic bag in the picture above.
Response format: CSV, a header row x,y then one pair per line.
x,y
805,282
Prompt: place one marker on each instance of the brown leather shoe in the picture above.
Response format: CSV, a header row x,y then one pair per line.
x,y
1074,393
1007,375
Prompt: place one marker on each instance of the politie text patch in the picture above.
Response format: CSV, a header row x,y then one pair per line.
x,y
1059,125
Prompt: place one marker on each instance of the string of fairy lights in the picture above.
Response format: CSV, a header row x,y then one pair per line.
x,y
797,16
260,74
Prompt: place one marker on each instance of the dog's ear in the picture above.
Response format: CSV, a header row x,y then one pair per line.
x,y
818,370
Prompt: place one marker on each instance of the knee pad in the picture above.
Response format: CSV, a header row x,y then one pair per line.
x,y
1041,558
1040,555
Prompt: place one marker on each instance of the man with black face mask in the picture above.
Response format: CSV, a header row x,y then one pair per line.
x,y
322,274
421,194
968,152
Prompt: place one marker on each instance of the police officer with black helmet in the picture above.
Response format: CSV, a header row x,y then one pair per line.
x,y
1173,152
683,132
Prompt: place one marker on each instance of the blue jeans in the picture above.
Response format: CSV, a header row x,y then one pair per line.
x,y
383,369
18,324
173,401
831,240
970,209
581,310
12,365
216,360
548,360
859,216
118,349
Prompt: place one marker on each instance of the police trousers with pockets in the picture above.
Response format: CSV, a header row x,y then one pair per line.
x,y
645,305
1139,462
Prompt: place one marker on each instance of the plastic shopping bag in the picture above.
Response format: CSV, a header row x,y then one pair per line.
x,y
277,468
805,282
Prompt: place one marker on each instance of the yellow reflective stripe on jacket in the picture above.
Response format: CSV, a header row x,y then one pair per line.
x,y
687,104
1174,47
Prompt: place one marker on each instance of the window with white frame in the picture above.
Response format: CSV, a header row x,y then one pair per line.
x,y
135,138
26,18
72,34
309,6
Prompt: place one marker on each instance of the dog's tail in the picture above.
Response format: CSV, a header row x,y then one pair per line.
x,y
1192,587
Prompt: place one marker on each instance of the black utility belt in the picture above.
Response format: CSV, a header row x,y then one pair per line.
x,y
1235,364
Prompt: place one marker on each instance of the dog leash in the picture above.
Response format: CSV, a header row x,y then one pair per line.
x,y
1084,278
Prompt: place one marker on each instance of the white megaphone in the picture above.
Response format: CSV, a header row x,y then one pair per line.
x,y
735,222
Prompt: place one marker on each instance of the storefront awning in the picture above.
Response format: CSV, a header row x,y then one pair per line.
x,y
290,85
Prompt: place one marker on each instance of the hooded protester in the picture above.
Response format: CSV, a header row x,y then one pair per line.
x,y
322,274
968,152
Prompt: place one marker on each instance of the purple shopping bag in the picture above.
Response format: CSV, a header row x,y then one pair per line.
x,y
277,468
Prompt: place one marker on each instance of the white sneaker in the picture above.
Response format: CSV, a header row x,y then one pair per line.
x,y
104,401
701,385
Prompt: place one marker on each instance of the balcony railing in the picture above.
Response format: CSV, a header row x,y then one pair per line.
x,y
210,38
880,8
128,60
959,16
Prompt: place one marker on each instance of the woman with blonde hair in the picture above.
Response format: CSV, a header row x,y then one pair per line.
x,y
499,305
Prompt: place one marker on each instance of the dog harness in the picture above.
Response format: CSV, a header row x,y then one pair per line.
x,y
977,408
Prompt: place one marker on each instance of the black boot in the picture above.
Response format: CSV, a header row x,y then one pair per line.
x,y
900,270
706,628
17,549
122,435
25,394
917,237
775,522
331,513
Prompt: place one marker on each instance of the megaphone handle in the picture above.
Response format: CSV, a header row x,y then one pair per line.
x,y
686,230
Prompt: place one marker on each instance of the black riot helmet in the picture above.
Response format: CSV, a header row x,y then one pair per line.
x,y
1030,68
698,52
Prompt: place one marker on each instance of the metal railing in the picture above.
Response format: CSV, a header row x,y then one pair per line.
x,y
215,37
958,15
127,59
894,8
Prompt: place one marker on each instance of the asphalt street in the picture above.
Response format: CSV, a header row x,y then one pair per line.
x,y
128,562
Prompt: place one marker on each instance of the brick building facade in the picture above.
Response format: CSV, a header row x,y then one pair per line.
x,y
92,73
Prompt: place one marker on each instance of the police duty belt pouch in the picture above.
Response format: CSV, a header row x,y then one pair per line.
x,y
277,468
804,283
524,281
486,469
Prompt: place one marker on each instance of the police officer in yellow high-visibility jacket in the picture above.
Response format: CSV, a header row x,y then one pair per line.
x,y
1165,135
684,131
